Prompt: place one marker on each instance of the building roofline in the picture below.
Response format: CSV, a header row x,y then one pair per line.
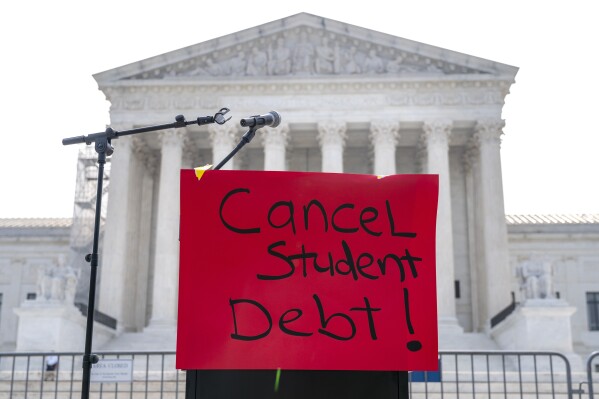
x,y
35,223
536,219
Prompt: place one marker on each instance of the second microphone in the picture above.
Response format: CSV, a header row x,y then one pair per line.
x,y
271,119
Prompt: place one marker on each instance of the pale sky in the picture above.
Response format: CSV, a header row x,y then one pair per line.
x,y
50,49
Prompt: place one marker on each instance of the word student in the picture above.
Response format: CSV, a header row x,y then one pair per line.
x,y
357,266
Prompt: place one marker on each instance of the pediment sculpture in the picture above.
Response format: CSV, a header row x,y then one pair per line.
x,y
305,52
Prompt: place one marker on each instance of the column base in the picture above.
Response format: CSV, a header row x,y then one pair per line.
x,y
451,334
449,325
162,325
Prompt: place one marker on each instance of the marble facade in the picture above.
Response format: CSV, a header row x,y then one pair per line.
x,y
352,100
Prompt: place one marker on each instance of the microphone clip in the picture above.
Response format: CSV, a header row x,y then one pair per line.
x,y
218,118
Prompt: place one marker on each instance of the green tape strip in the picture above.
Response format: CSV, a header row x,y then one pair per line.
x,y
277,379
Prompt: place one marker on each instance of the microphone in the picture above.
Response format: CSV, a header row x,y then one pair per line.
x,y
271,119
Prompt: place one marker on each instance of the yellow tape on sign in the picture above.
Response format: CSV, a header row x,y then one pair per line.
x,y
200,171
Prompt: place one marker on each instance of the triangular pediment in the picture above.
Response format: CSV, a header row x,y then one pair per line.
x,y
300,46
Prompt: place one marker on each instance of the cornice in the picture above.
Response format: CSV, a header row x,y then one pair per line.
x,y
281,83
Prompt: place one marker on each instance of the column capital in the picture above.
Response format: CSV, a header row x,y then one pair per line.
x,y
489,131
222,134
142,151
437,131
332,132
384,132
275,136
172,137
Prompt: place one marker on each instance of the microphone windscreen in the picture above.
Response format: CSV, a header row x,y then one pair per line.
x,y
276,119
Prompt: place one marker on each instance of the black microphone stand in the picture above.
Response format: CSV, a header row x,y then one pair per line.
x,y
245,139
104,148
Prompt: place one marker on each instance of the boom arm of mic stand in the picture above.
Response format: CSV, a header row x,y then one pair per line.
x,y
245,139
179,122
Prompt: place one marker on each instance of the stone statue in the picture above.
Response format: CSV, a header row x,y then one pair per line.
x,y
257,63
71,277
373,63
280,59
57,282
431,67
325,60
57,286
237,65
209,68
351,64
303,56
536,278
44,282
398,65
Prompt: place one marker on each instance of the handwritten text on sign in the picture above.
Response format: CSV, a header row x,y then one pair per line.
x,y
313,271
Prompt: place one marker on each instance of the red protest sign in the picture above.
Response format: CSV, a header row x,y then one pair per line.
x,y
309,271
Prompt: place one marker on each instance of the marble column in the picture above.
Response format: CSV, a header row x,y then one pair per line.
x,y
493,237
275,146
331,136
120,234
436,141
470,164
223,142
384,136
166,254
148,163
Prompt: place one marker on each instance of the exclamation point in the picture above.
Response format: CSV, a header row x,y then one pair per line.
x,y
413,345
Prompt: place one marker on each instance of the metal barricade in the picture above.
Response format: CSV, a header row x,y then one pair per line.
x,y
496,374
592,369
462,375
24,375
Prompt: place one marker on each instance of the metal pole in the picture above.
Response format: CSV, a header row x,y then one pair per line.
x,y
102,146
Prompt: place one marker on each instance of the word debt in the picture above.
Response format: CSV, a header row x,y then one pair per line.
x,y
338,326
282,214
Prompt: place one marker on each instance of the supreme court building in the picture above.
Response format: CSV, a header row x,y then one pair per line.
x,y
352,100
